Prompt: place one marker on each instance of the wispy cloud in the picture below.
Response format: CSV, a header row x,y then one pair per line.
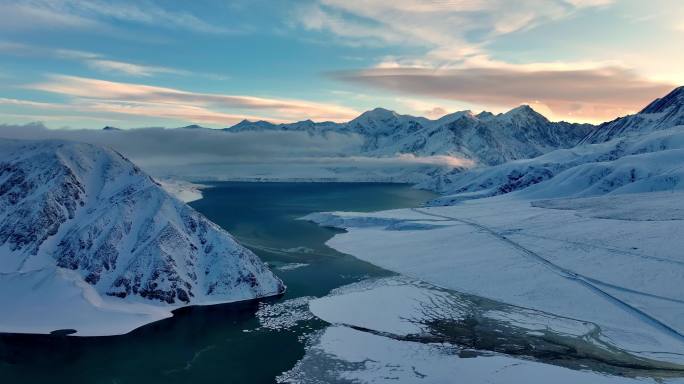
x,y
96,14
97,61
28,103
590,94
130,68
163,102
313,17
24,15
440,26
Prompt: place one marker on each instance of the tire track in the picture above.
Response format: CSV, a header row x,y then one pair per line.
x,y
587,282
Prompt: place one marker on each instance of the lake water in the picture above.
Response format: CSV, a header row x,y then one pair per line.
x,y
223,343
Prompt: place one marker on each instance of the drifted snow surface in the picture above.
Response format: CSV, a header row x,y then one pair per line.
x,y
619,267
90,242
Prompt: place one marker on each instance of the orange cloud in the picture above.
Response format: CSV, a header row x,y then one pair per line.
x,y
589,94
146,100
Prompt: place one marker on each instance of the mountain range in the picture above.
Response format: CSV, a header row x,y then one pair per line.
x,y
86,231
485,138
520,148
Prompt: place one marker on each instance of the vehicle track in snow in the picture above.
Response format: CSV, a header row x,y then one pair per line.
x,y
588,282
606,248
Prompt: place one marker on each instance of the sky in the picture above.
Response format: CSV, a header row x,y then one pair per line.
x,y
89,63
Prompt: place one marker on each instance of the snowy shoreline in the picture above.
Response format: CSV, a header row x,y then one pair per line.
x,y
70,300
183,190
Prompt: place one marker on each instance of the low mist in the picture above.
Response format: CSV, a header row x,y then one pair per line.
x,y
206,154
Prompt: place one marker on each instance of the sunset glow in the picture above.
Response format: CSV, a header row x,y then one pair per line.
x,y
76,63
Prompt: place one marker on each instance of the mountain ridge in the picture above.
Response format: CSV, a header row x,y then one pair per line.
x,y
485,138
82,208
642,152
662,113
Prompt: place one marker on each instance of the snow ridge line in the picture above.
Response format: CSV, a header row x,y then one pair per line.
x,y
568,274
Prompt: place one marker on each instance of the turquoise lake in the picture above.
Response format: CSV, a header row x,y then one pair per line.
x,y
223,343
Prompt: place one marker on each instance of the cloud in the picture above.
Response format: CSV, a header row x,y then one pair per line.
x,y
590,3
96,95
18,15
179,146
130,68
96,14
591,94
97,61
426,108
29,103
214,154
440,26
313,17
453,61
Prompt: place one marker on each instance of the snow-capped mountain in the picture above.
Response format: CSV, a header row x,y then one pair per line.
x,y
490,139
85,209
305,125
638,153
484,138
381,128
662,113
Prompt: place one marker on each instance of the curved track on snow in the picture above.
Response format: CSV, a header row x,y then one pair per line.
x,y
588,282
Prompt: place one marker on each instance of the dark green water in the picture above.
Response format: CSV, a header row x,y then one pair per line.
x,y
219,344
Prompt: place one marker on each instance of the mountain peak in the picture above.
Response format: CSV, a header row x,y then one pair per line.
x,y
454,116
484,115
378,112
249,125
674,98
523,108
524,111
192,126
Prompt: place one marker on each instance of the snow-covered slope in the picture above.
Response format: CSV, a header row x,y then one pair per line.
x,y
645,163
611,261
491,139
662,113
84,216
637,153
